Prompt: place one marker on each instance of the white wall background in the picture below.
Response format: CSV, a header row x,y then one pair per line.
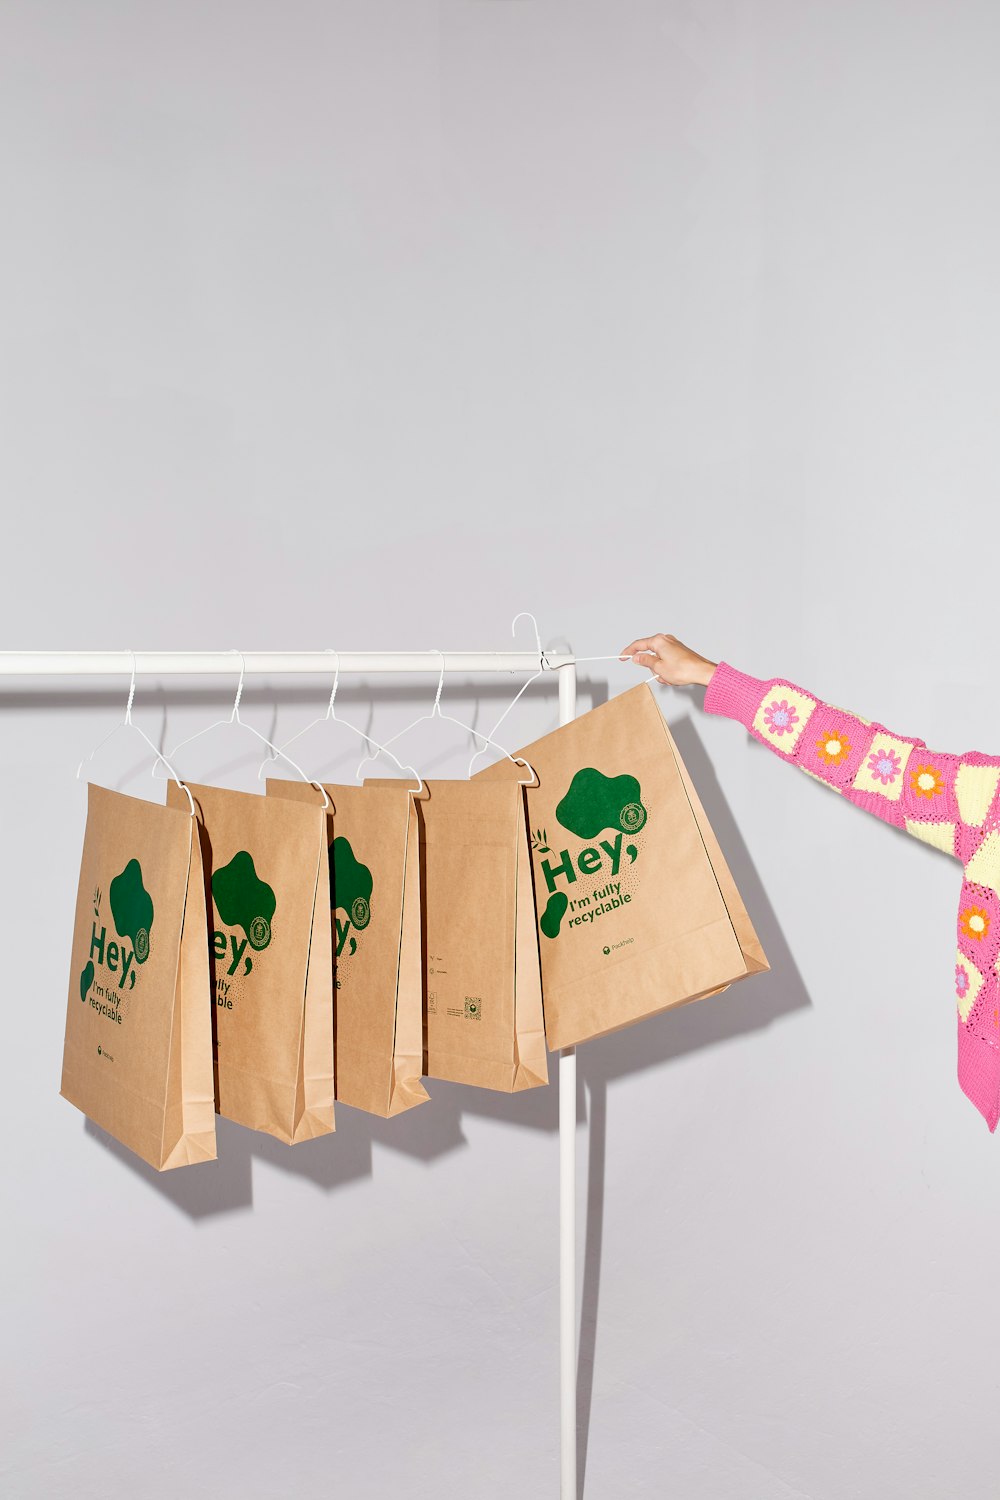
x,y
372,323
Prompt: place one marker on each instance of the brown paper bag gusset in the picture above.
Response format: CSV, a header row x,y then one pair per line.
x,y
637,909
374,865
482,983
138,1051
267,893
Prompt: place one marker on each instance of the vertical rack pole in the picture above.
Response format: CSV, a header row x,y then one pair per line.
x,y
567,1208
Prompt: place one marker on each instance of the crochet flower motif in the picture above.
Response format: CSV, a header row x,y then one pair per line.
x,y
833,747
926,781
961,981
779,716
884,765
975,923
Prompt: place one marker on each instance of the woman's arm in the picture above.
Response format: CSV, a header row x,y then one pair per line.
x,y
940,798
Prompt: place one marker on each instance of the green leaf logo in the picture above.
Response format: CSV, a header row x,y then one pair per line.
x,y
350,884
595,802
132,908
244,900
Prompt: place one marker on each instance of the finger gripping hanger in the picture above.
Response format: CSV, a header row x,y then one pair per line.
x,y
129,723
235,718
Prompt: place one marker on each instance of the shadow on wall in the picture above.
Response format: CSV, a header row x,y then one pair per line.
x,y
427,1135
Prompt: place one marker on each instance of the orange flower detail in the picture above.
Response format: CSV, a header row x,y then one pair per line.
x,y
926,781
975,923
833,747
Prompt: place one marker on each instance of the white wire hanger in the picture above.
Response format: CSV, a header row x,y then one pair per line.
x,y
129,723
332,717
438,713
544,665
234,718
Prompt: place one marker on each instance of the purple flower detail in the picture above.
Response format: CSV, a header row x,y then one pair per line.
x,y
961,981
779,716
884,765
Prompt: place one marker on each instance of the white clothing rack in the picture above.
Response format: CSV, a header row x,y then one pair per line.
x,y
21,664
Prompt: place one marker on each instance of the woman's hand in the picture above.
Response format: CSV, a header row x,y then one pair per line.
x,y
671,662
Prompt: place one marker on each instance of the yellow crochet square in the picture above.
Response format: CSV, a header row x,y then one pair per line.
x,y
968,1000
941,835
781,716
882,769
984,866
974,788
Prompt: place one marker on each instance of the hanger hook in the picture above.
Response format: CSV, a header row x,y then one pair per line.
x,y
543,666
234,717
131,693
519,760
336,683
127,723
526,614
437,698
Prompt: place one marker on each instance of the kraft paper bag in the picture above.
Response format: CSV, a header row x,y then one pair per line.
x,y
637,909
266,893
138,1051
482,982
374,864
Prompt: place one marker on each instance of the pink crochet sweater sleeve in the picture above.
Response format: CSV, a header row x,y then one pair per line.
x,y
891,775
949,801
